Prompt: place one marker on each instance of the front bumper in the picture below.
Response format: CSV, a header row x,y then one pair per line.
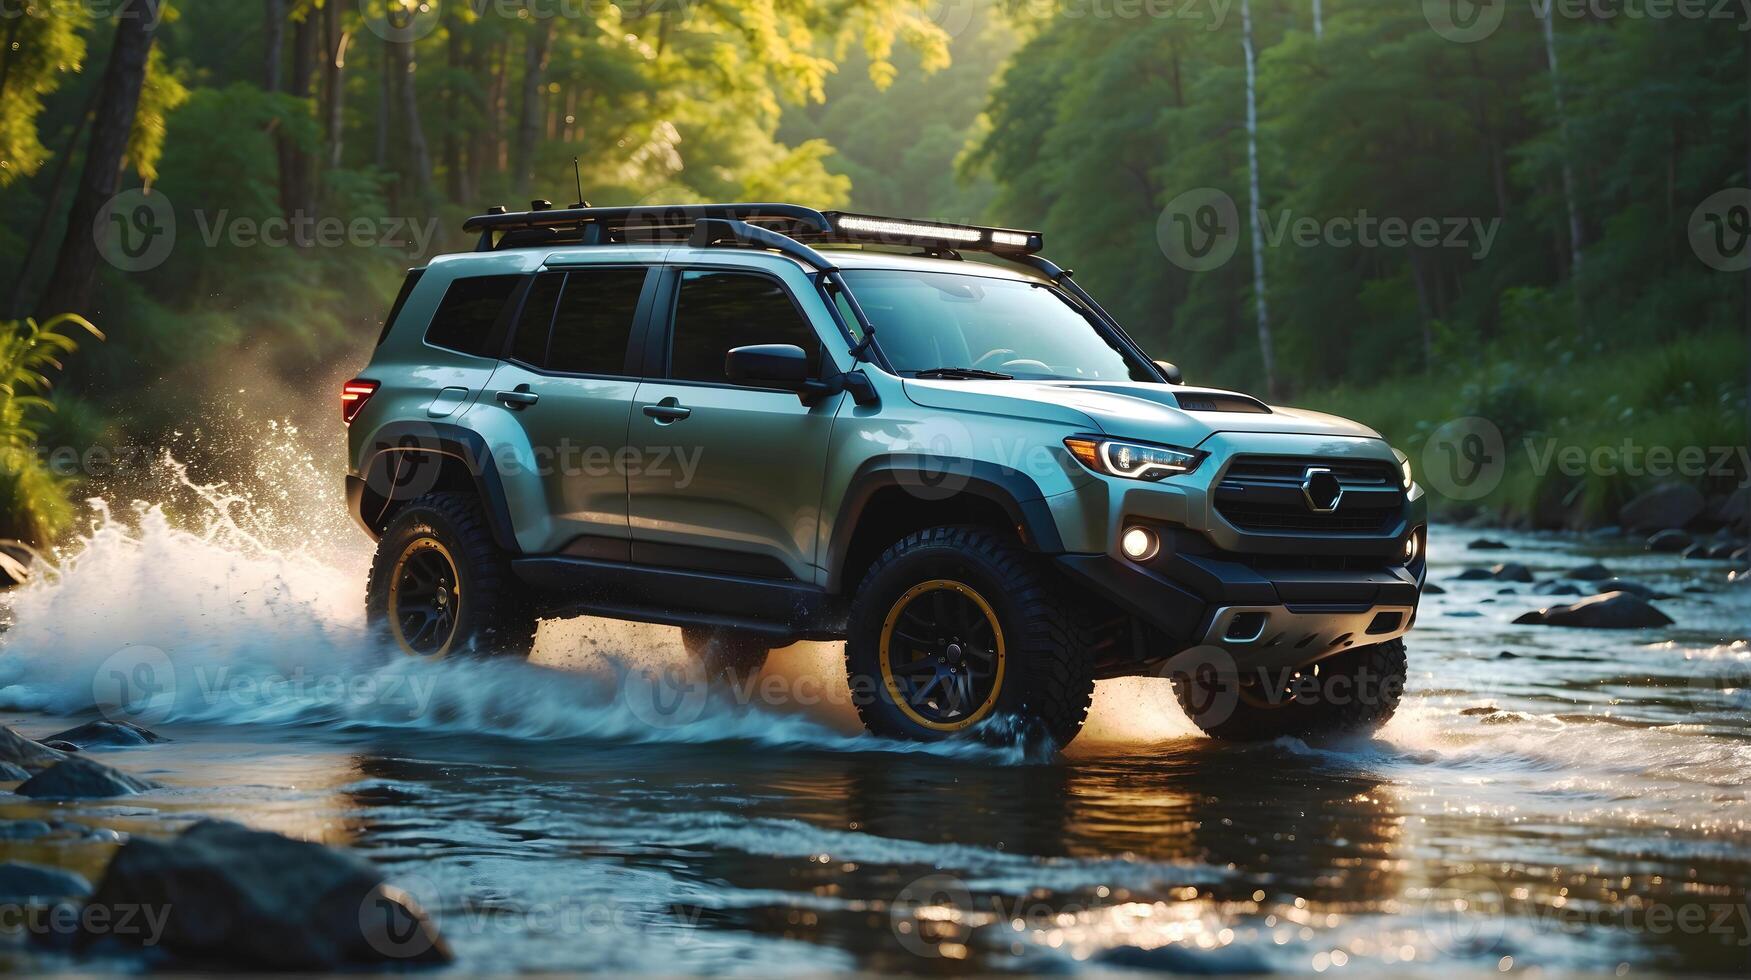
x,y
1264,611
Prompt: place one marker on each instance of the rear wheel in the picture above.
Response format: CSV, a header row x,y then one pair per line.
x,y
954,627
440,585
725,655
1353,691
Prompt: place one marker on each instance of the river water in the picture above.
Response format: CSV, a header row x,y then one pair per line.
x,y
1546,798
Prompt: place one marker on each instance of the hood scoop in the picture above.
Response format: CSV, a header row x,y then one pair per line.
x,y
1198,400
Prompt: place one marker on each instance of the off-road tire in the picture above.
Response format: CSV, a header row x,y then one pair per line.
x,y
726,656
1375,676
1048,678
493,618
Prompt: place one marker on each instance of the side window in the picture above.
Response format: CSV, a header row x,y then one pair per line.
x,y
412,280
529,345
470,308
594,322
718,311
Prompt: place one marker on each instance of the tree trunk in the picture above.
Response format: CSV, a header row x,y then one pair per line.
x,y
297,176
1267,352
273,42
33,248
418,156
75,274
1318,22
385,103
1568,169
454,176
334,81
529,114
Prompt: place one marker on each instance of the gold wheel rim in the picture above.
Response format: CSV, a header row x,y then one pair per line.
x,y
419,550
887,649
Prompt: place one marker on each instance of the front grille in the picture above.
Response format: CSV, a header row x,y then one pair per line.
x,y
1262,494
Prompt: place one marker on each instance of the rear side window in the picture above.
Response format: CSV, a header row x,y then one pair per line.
x,y
530,343
412,280
470,309
719,311
593,324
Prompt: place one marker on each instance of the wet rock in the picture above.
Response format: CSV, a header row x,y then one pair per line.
x,y
1591,573
1507,655
1482,710
1507,592
24,830
1631,586
79,778
1732,510
25,753
1723,552
59,745
1612,610
1433,589
21,882
252,899
1487,544
1701,551
1474,575
10,773
1667,505
1511,572
1670,541
1173,958
1697,589
1564,588
1464,613
106,734
1740,555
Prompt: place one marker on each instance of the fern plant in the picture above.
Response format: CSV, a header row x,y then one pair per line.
x,y
33,498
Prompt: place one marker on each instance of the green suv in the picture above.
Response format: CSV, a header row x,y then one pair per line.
x,y
763,423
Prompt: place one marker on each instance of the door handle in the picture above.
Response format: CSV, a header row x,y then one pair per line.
x,y
668,411
518,398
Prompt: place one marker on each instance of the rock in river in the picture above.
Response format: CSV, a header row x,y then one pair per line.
x,y
1668,505
1591,573
106,734
1612,610
79,778
1671,541
25,753
252,899
1512,572
21,882
1487,544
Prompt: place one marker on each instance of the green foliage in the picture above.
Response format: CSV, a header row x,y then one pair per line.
x,y
33,498
39,47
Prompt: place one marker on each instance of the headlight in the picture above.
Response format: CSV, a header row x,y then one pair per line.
x,y
1404,469
1133,460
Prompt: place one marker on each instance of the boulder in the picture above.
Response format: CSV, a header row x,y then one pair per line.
x,y
1591,572
24,830
22,883
1631,586
10,773
1700,550
1667,505
1511,572
1731,510
79,778
1487,544
1474,575
1669,541
1723,552
246,898
1612,610
106,734
1563,588
60,746
1433,589
26,753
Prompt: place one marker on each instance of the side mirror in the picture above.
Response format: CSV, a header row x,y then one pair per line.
x,y
1170,371
769,365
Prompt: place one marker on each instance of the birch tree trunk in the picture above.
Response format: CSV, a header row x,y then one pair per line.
x,y
1568,169
535,56
1318,22
334,67
1267,352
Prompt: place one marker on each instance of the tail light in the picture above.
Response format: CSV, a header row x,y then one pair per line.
x,y
353,396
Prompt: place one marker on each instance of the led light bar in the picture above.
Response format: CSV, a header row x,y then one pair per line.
x,y
875,230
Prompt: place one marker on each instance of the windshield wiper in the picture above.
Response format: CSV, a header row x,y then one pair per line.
x,y
962,374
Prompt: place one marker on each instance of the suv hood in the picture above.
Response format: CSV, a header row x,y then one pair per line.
x,y
1131,410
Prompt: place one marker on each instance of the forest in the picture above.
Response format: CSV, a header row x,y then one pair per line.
x,y
1535,214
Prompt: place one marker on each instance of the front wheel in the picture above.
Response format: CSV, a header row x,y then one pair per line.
x,y
1355,691
957,626
440,585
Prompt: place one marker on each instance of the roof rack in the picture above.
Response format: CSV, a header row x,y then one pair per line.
x,y
672,223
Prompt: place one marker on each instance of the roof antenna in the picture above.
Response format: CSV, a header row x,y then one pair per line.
x,y
578,174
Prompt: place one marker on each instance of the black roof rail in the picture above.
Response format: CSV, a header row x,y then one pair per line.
x,y
676,223
713,231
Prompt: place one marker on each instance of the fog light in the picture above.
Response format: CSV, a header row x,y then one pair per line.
x,y
1139,544
1411,547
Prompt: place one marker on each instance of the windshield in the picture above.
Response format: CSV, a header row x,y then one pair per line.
x,y
943,324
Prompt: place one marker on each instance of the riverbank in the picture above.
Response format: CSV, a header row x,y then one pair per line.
x,y
1571,439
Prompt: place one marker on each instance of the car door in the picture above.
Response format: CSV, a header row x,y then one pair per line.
x,y
569,378
729,475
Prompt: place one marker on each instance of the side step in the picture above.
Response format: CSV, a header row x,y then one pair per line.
x,y
781,610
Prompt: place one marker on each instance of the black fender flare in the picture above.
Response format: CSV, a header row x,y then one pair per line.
x,y
387,478
932,477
